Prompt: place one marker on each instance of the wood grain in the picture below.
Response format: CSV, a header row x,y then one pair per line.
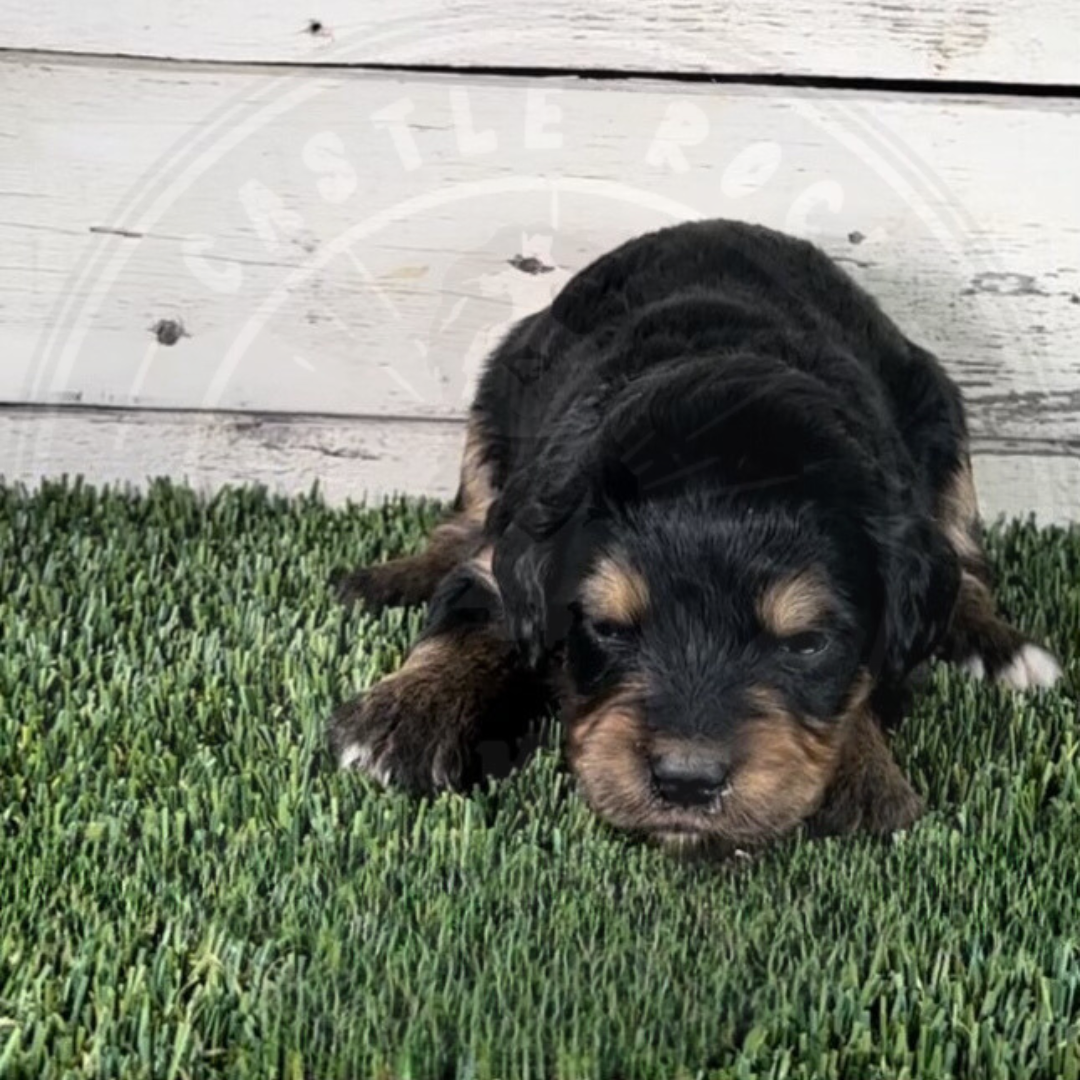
x,y
191,237
354,459
1031,41
348,459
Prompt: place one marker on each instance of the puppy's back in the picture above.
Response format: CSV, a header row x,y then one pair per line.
x,y
720,288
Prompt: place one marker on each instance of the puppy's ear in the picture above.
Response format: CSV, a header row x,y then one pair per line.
x,y
522,569
920,578
537,562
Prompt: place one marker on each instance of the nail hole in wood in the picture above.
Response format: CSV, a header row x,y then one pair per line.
x,y
530,264
169,331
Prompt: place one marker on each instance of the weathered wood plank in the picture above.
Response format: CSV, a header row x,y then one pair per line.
x,y
349,459
357,458
1035,41
192,237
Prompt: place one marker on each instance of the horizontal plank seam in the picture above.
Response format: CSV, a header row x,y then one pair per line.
x,y
998,447
939,87
268,415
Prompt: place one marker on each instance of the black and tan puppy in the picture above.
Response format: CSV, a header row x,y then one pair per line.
x,y
719,507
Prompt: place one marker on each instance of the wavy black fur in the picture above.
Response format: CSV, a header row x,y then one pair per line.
x,y
713,379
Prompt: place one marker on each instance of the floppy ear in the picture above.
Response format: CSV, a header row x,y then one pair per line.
x,y
920,578
537,562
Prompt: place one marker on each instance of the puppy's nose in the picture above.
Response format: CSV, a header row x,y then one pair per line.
x,y
689,781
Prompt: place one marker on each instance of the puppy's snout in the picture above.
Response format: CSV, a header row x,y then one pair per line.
x,y
689,779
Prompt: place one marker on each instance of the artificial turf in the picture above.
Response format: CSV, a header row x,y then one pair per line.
x,y
188,889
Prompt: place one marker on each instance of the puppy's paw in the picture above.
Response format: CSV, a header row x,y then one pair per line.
x,y
869,792
892,809
401,735
880,808
1030,667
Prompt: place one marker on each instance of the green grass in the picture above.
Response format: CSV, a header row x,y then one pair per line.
x,y
188,890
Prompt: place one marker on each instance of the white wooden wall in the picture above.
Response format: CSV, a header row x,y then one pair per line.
x,y
272,242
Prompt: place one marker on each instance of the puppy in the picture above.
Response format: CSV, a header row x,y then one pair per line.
x,y
718,507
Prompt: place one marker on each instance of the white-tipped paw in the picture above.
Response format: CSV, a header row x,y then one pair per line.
x,y
1031,668
403,732
363,759
974,666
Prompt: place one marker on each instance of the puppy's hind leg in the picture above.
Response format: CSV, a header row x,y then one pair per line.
x,y
978,638
413,579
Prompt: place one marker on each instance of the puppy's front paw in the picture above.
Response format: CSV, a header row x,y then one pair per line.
x,y
880,806
892,809
869,792
400,733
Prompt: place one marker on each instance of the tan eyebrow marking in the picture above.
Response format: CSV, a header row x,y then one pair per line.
x,y
795,604
615,591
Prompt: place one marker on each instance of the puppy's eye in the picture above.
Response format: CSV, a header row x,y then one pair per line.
x,y
610,631
809,643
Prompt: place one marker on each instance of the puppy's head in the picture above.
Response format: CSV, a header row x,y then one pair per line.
x,y
724,603
714,668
